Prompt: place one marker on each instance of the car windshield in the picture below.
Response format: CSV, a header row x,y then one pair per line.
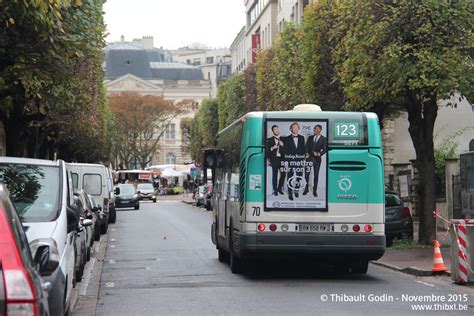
x,y
127,189
34,190
392,200
145,186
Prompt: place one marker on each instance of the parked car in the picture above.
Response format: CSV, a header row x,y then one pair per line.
x,y
93,230
87,221
99,215
22,289
80,245
146,191
126,196
398,220
208,198
201,195
41,192
96,180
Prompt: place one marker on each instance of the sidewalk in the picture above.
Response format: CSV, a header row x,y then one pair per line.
x,y
417,261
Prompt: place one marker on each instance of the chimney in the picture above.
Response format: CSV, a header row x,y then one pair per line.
x,y
148,42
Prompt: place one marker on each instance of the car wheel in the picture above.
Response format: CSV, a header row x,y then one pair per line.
x,y
104,226
88,253
112,215
97,232
137,207
222,255
154,200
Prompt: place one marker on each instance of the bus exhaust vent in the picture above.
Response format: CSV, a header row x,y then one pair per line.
x,y
347,165
307,108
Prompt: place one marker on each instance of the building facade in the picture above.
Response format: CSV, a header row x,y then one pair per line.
x,y
139,67
264,20
209,61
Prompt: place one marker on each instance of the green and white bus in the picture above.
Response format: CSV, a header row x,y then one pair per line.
x,y
299,182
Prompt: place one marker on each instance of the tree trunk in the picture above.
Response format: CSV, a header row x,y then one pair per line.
x,y
422,117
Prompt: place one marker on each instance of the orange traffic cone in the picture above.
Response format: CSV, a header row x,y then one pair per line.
x,y
438,259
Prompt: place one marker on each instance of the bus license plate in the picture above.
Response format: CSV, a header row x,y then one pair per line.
x,y
315,227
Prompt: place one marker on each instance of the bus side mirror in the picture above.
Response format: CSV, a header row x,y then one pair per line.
x,y
209,163
209,159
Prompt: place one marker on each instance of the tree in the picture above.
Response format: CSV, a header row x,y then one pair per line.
x,y
230,99
204,128
51,78
141,121
265,76
321,84
408,55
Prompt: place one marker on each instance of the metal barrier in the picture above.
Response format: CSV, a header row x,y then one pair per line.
x,y
462,250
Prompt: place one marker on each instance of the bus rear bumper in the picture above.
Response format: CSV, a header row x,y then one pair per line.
x,y
366,246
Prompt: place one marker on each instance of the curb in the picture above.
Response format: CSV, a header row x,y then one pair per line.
x,y
410,270
187,202
87,304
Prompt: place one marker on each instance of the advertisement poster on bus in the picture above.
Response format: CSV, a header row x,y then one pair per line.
x,y
296,164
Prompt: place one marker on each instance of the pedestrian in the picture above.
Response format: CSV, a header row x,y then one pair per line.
x,y
294,154
315,149
274,149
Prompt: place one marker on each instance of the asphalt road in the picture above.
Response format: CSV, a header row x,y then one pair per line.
x,y
160,261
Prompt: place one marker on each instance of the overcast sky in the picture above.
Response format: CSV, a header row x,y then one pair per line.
x,y
175,23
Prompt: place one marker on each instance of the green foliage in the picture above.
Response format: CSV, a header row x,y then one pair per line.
x,y
408,55
204,128
405,243
266,82
230,99
320,81
395,51
250,88
279,70
52,98
446,149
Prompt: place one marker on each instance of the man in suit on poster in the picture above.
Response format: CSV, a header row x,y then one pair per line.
x,y
294,154
274,149
315,149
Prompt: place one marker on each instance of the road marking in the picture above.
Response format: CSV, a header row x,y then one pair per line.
x,y
110,284
113,229
113,239
112,246
111,261
428,284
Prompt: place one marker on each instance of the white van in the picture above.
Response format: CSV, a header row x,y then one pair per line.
x,y
41,191
96,180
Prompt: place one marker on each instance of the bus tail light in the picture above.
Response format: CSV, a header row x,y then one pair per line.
x,y
406,212
273,227
356,228
368,228
261,227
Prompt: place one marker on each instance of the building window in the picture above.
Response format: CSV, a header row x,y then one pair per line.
x,y
188,61
171,131
471,145
170,159
196,61
209,60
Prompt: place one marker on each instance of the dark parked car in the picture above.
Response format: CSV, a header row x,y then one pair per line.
x,y
146,191
126,196
398,220
22,290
